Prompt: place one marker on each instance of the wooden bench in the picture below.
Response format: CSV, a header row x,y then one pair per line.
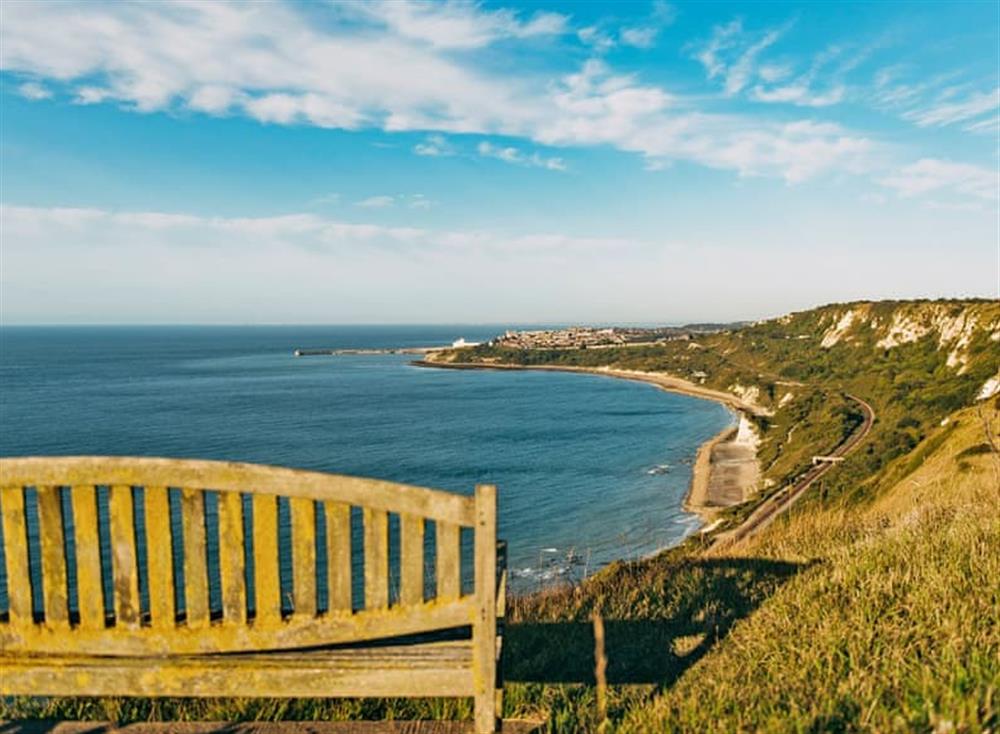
x,y
161,577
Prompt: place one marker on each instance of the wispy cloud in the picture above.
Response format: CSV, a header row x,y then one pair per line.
x,y
381,201
510,154
434,145
939,100
385,201
732,53
332,198
34,91
457,24
642,33
800,94
937,176
947,110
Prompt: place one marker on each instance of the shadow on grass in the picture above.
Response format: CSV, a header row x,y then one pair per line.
x,y
659,620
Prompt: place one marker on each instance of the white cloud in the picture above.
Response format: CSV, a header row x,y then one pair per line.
x,y
376,202
640,37
947,112
331,198
166,267
990,125
434,145
170,267
384,201
509,154
91,95
596,37
603,36
396,68
800,94
34,91
932,175
457,23
732,53
419,201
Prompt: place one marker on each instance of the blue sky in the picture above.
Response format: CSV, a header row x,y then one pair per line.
x,y
320,162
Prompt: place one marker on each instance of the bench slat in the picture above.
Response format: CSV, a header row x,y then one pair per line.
x,y
195,565
235,477
338,543
123,557
376,558
437,669
160,558
303,555
89,589
449,567
296,632
15,538
53,556
267,582
231,557
411,545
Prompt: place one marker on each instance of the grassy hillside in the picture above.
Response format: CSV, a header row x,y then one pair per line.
x,y
893,623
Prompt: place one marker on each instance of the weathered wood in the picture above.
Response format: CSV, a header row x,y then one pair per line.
x,y
264,658
338,543
484,629
196,610
125,571
53,556
232,569
304,555
89,589
376,558
236,477
295,632
159,558
15,538
438,669
411,550
267,580
449,566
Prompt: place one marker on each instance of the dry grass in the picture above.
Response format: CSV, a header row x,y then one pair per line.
x,y
895,626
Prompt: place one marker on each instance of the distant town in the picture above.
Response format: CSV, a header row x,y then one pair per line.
x,y
588,337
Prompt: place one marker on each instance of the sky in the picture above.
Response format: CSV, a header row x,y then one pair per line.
x,y
492,162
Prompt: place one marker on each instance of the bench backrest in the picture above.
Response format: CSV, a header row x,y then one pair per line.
x,y
141,556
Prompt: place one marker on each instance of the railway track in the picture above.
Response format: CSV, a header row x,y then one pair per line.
x,y
784,498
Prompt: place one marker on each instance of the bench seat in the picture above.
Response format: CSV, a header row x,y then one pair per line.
x,y
427,669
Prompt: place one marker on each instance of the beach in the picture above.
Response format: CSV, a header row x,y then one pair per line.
x,y
725,470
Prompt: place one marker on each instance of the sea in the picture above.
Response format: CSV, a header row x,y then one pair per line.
x,y
589,469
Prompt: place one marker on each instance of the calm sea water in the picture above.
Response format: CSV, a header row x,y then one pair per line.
x,y
589,469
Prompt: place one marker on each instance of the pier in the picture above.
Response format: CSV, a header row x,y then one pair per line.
x,y
340,352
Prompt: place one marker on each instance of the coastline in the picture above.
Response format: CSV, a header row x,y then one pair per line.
x,y
725,469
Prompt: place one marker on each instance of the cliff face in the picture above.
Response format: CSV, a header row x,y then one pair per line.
x,y
954,326
964,332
